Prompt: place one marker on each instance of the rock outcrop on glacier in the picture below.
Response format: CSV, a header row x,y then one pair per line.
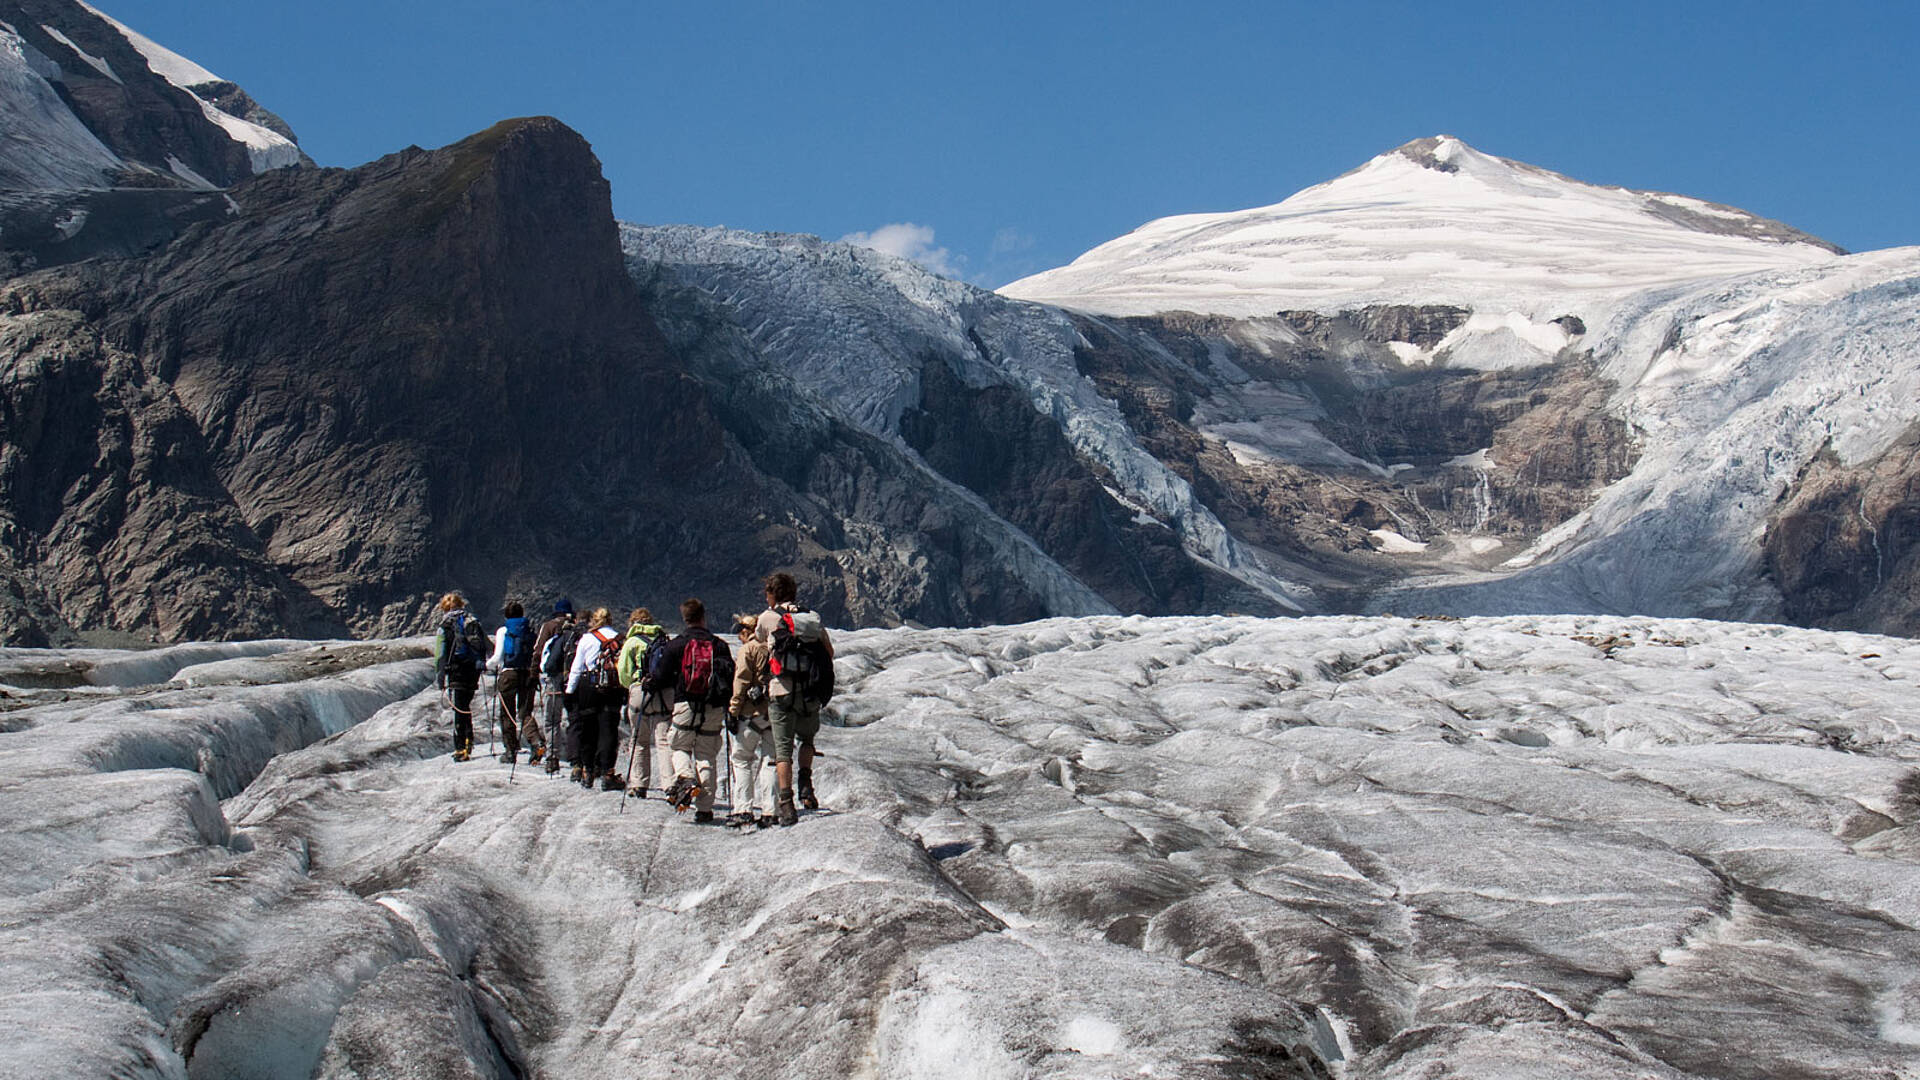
x,y
1208,847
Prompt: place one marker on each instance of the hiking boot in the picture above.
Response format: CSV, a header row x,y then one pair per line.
x,y
578,775
739,819
685,789
703,817
612,782
783,810
509,759
636,792
803,783
553,765
534,756
765,821
462,754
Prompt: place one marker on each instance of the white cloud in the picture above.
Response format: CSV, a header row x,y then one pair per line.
x,y
1011,241
910,241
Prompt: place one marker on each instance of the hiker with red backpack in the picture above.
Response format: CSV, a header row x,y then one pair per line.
x,y
459,650
512,665
594,684
698,668
801,660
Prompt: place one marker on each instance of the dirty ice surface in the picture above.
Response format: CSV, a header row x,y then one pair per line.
x,y
1208,847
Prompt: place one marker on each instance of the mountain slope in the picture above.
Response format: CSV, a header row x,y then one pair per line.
x,y
164,119
1434,221
1735,394
982,391
110,144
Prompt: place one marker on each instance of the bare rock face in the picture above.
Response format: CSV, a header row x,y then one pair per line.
x,y
991,441
1425,452
384,373
112,514
1841,547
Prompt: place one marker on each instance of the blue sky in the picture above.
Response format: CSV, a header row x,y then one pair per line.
x,y
1013,136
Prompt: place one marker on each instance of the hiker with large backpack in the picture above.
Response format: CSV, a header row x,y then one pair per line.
x,y
513,683
594,683
647,710
698,667
750,763
800,657
557,634
459,651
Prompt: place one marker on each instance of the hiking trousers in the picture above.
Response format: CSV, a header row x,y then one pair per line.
x,y
556,720
751,766
461,694
696,749
596,729
651,734
515,689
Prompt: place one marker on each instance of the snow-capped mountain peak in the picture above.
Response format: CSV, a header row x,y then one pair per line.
x,y
266,147
1431,221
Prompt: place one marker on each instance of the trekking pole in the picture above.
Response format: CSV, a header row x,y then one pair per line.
x,y
726,778
492,706
514,765
633,748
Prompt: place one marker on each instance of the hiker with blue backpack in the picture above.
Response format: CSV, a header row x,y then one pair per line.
x,y
459,651
593,681
698,668
513,683
800,658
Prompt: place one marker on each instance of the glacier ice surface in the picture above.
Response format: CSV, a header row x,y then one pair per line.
x,y
1356,847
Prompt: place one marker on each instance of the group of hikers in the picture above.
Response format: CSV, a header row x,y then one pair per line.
x,y
680,697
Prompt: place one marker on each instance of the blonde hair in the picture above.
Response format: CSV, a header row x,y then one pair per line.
x,y
600,617
746,624
640,615
453,601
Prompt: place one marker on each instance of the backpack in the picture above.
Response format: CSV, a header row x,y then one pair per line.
x,y
605,673
516,649
706,671
800,654
466,640
654,679
557,661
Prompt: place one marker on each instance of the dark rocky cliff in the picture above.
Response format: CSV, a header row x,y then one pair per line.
x,y
431,371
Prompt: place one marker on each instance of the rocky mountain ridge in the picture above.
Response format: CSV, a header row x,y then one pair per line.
x,y
113,144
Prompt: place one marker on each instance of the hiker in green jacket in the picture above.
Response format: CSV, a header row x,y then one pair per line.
x,y
647,710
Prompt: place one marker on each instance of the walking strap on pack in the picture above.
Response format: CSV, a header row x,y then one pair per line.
x,y
697,713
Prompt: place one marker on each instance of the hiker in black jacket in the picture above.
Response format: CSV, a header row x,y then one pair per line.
x,y
553,684
698,668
